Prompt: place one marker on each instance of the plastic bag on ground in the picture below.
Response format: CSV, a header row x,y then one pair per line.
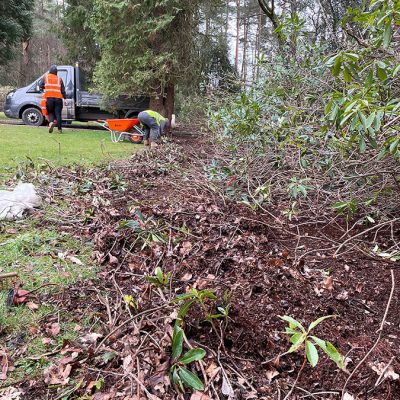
x,y
14,203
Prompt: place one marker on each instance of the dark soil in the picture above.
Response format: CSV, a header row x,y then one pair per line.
x,y
258,267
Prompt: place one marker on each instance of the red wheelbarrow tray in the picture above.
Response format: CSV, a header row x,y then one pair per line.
x,y
122,125
126,128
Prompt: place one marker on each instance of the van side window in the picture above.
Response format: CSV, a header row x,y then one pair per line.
x,y
63,75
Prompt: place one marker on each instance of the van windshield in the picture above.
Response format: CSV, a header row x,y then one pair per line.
x,y
34,87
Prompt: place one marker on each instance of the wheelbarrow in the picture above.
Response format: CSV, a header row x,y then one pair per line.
x,y
121,129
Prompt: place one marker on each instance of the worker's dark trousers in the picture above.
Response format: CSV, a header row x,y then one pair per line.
x,y
150,127
54,109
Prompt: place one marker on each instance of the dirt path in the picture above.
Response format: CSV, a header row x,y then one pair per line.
x,y
161,210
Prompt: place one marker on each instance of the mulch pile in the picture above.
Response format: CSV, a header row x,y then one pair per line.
x,y
159,209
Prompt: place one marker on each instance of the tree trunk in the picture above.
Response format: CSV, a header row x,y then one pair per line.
x,y
293,36
164,103
157,104
24,62
227,21
237,35
208,23
258,44
269,11
169,101
244,61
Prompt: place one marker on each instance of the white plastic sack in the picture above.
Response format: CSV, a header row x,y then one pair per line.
x,y
14,203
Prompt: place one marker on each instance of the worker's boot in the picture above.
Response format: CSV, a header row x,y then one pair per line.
x,y
60,131
154,145
51,127
146,142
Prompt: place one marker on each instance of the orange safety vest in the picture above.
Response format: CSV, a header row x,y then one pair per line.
x,y
52,86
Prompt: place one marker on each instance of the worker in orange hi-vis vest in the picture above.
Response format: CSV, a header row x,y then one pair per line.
x,y
54,93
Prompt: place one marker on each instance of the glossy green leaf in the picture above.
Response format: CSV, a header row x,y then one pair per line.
x,y
321,343
340,206
363,119
312,353
381,73
334,113
191,294
139,215
370,219
328,107
330,350
387,37
193,355
174,375
159,274
346,118
394,146
362,144
347,75
190,379
370,120
297,340
332,60
370,78
353,56
177,342
296,337
373,143
335,355
350,107
337,66
381,64
184,309
292,322
319,320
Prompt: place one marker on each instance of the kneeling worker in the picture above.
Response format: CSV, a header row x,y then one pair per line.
x,y
154,125
54,93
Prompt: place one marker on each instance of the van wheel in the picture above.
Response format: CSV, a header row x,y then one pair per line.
x,y
32,116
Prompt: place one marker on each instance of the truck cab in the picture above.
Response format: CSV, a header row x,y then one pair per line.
x,y
80,105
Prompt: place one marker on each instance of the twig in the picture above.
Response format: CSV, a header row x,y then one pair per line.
x,y
363,233
297,379
137,380
380,330
127,322
379,380
391,122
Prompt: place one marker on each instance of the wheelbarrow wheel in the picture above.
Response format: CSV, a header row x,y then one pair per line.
x,y
135,137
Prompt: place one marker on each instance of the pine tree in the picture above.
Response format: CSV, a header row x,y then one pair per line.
x,y
78,35
147,47
15,26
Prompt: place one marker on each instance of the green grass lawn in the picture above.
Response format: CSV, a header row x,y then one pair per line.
x,y
40,254
72,147
37,255
2,116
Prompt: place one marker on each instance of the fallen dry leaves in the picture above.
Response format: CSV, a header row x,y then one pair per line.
x,y
328,283
224,251
199,396
32,306
53,329
57,374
